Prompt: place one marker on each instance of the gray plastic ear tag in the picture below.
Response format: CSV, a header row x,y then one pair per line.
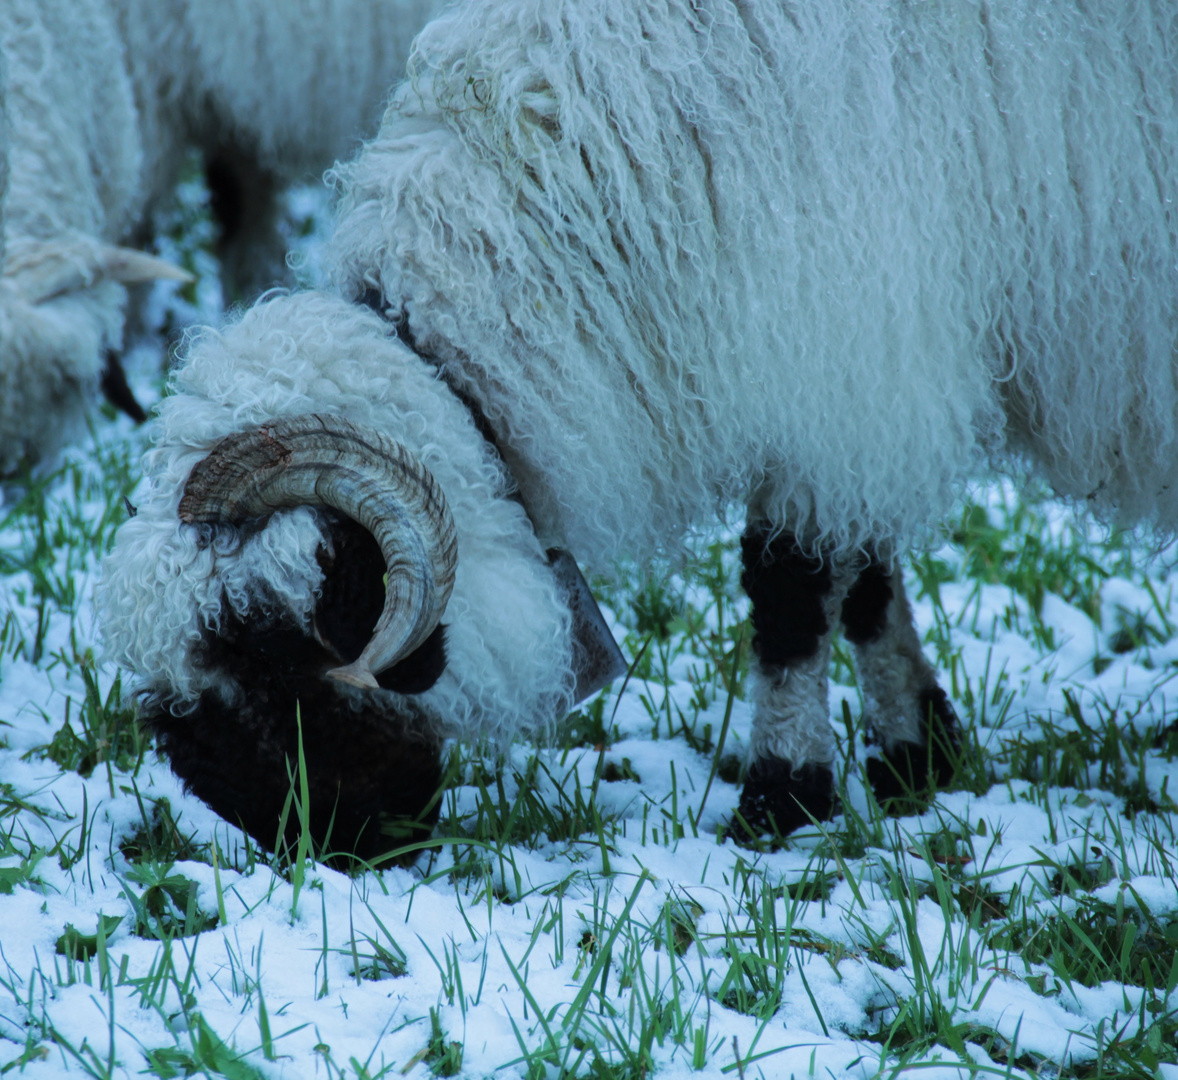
x,y
597,660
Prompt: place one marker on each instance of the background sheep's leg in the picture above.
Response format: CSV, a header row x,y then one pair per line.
x,y
907,713
116,390
796,600
244,199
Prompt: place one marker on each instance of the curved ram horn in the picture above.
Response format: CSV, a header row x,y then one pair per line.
x,y
326,461
43,269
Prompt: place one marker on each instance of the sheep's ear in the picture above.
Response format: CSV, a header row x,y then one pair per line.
x,y
597,660
43,269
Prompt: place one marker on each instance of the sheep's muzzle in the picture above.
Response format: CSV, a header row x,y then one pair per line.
x,y
323,460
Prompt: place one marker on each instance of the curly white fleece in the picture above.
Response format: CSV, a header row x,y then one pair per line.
x,y
508,652
831,254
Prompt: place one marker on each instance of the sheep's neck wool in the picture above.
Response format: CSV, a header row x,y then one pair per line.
x,y
597,660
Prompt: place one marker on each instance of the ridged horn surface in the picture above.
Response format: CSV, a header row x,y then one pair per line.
x,y
318,460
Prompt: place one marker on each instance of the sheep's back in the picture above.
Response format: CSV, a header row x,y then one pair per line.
x,y
683,251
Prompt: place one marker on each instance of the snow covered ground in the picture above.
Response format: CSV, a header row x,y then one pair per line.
x,y
580,913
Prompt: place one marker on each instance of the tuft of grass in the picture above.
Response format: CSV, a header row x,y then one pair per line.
x,y
1080,751
1093,941
158,837
164,902
206,1054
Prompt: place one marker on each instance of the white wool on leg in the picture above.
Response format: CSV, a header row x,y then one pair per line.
x,y
791,718
895,678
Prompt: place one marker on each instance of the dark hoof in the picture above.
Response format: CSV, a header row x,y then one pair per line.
x,y
905,777
777,799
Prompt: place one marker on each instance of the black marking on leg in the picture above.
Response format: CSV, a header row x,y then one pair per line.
x,y
115,389
777,798
243,201
373,769
865,610
905,776
786,588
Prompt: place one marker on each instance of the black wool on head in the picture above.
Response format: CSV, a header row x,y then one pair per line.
x,y
373,767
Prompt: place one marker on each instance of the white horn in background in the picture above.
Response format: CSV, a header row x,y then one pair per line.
x,y
43,269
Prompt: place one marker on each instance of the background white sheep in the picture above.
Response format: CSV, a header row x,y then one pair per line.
x,y
828,259
268,93
103,103
72,156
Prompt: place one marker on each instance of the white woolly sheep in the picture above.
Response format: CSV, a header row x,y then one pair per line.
x,y
105,100
640,260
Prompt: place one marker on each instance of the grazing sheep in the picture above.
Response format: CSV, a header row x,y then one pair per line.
x,y
630,262
104,100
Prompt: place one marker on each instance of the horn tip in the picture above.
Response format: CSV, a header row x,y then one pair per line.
x,y
355,674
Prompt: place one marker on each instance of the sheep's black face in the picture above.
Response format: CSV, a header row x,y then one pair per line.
x,y
373,774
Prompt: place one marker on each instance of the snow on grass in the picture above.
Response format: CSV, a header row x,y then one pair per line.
x,y
579,911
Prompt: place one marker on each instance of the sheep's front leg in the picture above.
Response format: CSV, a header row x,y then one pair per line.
x,y
908,714
796,601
